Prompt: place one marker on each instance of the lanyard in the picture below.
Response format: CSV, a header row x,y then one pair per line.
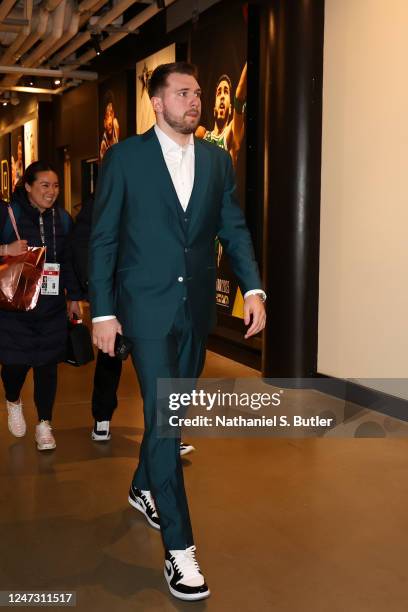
x,y
42,233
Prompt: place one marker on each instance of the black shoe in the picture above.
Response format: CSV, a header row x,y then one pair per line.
x,y
183,575
144,502
186,448
100,432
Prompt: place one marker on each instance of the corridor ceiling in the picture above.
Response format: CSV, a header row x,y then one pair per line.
x,y
55,39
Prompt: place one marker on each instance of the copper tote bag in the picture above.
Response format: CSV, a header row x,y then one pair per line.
x,y
21,276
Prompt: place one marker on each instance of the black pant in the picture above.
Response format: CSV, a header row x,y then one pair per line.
x,y
45,386
106,381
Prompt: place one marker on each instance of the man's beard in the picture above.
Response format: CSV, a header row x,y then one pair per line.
x,y
180,126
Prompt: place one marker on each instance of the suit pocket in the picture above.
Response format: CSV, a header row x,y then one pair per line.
x,y
138,272
121,270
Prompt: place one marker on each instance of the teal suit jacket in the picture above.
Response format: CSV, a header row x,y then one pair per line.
x,y
144,257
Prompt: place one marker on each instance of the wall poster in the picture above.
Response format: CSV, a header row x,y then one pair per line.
x,y
17,156
112,112
5,167
144,112
30,142
223,79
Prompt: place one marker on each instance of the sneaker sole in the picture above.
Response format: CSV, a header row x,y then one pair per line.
x,y
137,506
97,438
186,451
46,447
186,596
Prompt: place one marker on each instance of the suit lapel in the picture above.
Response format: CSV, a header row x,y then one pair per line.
x,y
155,159
202,170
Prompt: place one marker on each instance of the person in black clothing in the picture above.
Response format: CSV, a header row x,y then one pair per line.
x,y
108,369
37,338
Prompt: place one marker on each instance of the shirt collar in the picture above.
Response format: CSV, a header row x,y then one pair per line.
x,y
168,144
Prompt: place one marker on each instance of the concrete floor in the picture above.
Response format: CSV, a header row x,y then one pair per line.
x,y
290,525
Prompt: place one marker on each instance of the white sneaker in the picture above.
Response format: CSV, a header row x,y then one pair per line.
x,y
16,422
43,436
144,502
185,448
100,432
183,575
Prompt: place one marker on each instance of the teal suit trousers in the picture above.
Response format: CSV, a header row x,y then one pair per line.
x,y
180,354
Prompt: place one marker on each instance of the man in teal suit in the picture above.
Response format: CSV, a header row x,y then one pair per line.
x,y
162,198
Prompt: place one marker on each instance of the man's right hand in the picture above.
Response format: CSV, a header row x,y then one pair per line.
x,y
104,334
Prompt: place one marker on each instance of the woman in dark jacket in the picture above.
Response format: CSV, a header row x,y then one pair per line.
x,y
37,338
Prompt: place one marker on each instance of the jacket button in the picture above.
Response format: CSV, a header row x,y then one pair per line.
x,y
180,279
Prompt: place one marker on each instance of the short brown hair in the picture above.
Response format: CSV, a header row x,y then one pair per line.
x,y
158,80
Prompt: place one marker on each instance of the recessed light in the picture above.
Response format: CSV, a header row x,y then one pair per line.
x,y
96,39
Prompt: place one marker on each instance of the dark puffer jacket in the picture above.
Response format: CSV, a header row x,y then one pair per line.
x,y
38,337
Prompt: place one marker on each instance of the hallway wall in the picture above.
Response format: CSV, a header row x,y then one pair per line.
x,y
363,331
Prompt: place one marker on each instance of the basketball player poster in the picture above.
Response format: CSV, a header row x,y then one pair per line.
x,y
222,73
5,167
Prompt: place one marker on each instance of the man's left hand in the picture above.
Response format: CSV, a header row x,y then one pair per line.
x,y
253,305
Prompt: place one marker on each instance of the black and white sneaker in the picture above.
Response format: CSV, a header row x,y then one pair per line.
x,y
100,432
186,448
183,575
144,502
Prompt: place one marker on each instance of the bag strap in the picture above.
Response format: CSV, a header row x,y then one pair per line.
x,y
13,221
7,232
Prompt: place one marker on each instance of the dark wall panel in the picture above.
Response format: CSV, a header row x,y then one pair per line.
x,y
75,120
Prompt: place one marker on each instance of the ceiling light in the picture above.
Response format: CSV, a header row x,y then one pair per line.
x,y
57,82
96,39
5,103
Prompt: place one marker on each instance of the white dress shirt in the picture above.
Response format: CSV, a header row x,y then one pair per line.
x,y
180,164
